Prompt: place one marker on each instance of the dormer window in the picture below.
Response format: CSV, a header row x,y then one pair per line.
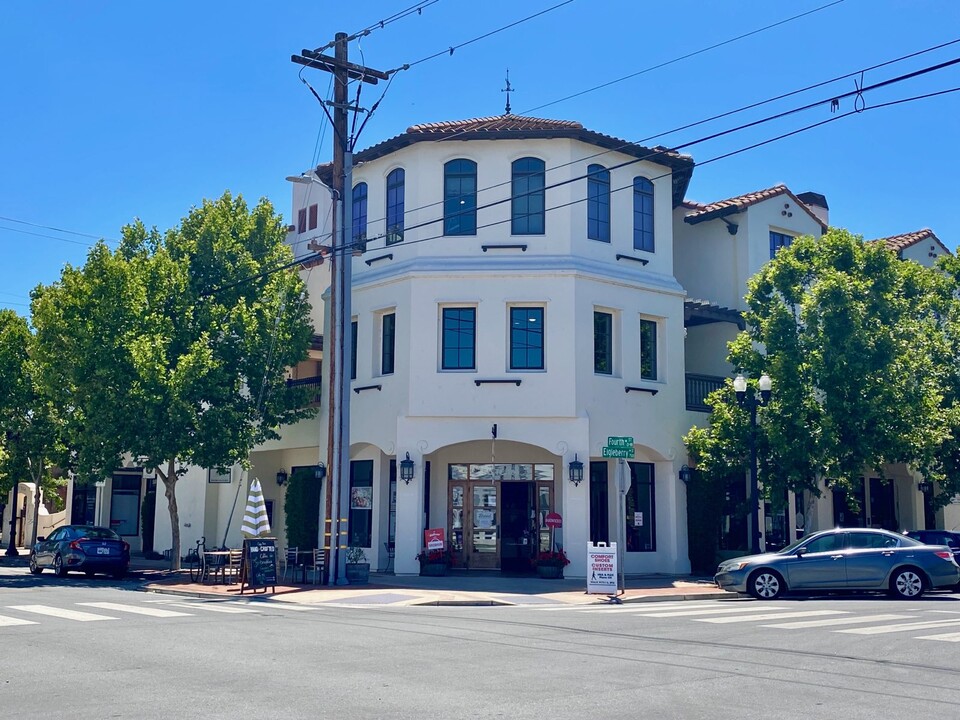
x,y
395,193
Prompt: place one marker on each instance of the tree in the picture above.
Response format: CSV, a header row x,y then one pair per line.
x,y
855,342
177,344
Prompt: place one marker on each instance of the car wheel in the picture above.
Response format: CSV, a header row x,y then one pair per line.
x,y
34,568
765,585
58,569
907,584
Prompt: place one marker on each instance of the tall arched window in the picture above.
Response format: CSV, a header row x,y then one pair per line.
x,y
395,181
598,203
527,198
360,212
642,214
460,197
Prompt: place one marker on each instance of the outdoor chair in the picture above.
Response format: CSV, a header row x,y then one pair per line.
x,y
315,566
231,571
291,562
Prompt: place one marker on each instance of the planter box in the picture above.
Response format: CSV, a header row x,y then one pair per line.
x,y
550,572
433,569
358,573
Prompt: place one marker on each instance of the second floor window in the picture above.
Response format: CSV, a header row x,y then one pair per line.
x,y
302,220
459,339
777,241
360,212
642,214
648,350
598,203
388,343
526,338
314,209
353,350
603,343
528,202
460,198
395,191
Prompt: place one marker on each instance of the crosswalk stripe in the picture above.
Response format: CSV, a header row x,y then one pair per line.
x,y
712,611
60,613
627,607
946,637
770,616
900,628
8,621
838,621
136,609
219,607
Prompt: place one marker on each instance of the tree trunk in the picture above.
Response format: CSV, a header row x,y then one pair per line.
x,y
169,489
36,509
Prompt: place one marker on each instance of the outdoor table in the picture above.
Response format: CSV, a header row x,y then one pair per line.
x,y
215,559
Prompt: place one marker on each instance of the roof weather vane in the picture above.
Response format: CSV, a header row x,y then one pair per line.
x,y
508,89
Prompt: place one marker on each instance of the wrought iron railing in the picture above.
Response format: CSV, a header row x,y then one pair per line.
x,y
698,387
308,382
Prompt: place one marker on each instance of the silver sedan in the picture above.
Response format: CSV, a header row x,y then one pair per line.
x,y
843,559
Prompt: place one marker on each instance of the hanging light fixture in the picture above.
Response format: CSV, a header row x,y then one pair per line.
x,y
576,471
320,472
406,469
281,477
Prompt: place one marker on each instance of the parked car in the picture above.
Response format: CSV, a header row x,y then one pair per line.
x,y
938,537
843,559
84,548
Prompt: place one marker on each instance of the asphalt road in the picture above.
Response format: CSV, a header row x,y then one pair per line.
x,y
130,654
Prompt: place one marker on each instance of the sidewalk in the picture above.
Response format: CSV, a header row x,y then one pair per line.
x,y
457,589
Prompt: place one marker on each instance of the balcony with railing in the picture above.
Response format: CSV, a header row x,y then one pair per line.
x,y
308,382
697,389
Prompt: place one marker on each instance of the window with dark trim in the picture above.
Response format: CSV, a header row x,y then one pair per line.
x,y
125,504
642,214
460,197
388,341
360,212
603,343
641,530
459,339
648,350
353,350
395,193
528,201
526,338
361,503
302,220
314,210
598,203
777,241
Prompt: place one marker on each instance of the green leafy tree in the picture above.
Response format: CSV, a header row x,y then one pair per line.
x,y
854,340
173,348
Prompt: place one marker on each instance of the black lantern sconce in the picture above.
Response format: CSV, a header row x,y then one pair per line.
x,y
925,487
320,472
281,477
406,469
576,471
686,474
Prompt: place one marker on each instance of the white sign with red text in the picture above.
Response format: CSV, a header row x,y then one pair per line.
x,y
602,568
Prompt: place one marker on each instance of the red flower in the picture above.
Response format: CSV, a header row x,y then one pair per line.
x,y
553,557
435,556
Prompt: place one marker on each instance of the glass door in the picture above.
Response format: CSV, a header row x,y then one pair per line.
x,y
483,549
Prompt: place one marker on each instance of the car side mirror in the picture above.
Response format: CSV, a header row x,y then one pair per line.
x,y
41,538
801,551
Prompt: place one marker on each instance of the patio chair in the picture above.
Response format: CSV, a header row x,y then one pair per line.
x,y
231,571
291,562
315,566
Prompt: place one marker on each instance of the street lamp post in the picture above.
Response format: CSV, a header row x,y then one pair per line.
x,y
13,438
752,402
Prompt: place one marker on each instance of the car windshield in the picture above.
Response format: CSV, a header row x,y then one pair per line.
x,y
792,547
96,533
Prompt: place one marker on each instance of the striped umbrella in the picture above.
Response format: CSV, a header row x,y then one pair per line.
x,y
255,522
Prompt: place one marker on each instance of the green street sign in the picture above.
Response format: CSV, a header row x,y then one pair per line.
x,y
615,441
617,452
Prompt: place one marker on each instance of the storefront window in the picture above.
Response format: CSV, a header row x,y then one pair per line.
x,y
125,504
361,503
641,532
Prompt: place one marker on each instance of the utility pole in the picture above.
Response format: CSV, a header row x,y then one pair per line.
x,y
337,352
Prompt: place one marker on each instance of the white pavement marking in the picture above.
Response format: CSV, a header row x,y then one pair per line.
x,y
838,621
646,607
712,611
136,609
219,607
60,613
946,637
771,616
903,627
7,621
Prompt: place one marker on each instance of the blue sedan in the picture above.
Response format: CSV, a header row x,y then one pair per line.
x,y
843,559
84,548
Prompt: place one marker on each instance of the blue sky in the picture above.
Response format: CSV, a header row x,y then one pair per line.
x,y
117,110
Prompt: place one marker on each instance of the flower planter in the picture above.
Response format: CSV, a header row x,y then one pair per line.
x,y
433,569
358,573
550,572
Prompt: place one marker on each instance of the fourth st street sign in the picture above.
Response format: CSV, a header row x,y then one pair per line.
x,y
618,447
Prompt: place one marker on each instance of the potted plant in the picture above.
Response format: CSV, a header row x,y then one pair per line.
x,y
434,562
550,563
358,569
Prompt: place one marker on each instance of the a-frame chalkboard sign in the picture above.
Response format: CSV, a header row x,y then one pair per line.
x,y
259,569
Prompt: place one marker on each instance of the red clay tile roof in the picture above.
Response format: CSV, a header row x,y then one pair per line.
x,y
896,243
501,123
734,205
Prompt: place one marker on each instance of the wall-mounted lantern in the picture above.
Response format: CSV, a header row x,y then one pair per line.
x,y
406,469
576,471
281,477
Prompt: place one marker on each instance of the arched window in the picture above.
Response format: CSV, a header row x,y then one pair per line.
x,y
360,212
527,198
395,181
598,203
642,214
460,198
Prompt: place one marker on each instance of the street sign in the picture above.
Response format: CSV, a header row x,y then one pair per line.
x,y
553,520
617,452
616,441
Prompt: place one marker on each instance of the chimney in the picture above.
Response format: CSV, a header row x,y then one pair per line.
x,y
817,204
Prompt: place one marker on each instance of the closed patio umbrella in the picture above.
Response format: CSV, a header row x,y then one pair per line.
x,y
255,522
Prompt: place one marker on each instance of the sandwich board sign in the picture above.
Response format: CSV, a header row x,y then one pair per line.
x,y
602,568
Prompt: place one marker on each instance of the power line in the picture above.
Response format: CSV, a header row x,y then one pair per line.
x,y
51,237
379,25
56,229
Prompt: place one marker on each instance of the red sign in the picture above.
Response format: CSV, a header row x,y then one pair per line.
x,y
553,520
433,538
